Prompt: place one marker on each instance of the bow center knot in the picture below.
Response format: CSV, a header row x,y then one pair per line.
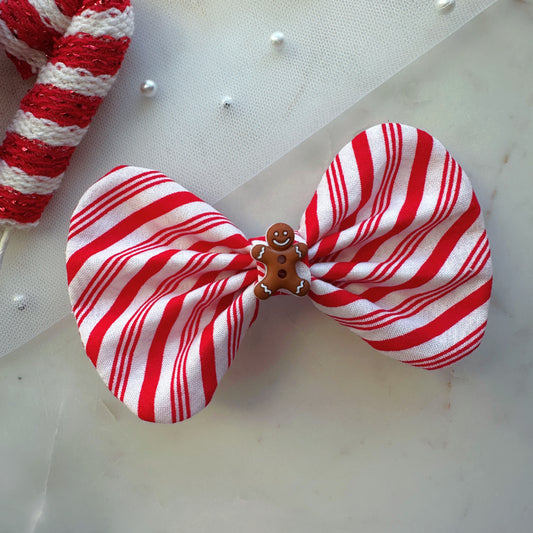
x,y
282,258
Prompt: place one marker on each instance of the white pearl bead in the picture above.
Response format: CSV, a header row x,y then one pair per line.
x,y
227,102
445,5
20,301
277,39
149,88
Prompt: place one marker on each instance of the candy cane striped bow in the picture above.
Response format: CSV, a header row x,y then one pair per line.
x,y
162,285
76,47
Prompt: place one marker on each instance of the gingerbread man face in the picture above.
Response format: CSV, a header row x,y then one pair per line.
x,y
280,256
280,236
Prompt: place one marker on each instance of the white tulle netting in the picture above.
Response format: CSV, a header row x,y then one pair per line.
x,y
199,53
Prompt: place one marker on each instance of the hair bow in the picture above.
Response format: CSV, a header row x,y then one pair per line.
x,y
164,287
76,47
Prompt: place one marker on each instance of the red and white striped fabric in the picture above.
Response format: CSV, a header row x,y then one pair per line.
x,y
76,47
161,283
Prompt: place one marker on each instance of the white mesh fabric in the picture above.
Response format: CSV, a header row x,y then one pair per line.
x,y
198,53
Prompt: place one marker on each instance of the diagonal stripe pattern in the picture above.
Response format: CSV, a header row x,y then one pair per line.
x,y
161,283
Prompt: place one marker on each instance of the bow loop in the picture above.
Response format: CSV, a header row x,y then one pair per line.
x,y
400,254
163,269
164,287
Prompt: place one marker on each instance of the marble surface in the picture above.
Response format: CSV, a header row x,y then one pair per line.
x,y
316,431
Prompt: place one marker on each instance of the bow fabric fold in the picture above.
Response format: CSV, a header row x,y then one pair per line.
x,y
162,284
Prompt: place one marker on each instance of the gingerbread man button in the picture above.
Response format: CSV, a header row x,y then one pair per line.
x,y
280,256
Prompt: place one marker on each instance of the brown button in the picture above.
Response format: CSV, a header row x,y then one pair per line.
x,y
280,248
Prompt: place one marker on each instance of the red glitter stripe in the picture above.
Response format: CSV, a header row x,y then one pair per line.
x,y
64,107
23,68
26,24
104,5
98,55
35,157
68,7
21,208
71,7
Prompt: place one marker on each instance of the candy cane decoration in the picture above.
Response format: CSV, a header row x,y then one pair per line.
x,y
76,48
